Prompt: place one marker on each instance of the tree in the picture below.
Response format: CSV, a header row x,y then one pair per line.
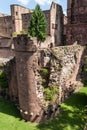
x,y
38,24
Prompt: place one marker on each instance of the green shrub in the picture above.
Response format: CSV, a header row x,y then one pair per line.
x,y
23,31
3,80
43,81
44,71
14,34
50,92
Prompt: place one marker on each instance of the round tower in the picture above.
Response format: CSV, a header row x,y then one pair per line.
x,y
26,66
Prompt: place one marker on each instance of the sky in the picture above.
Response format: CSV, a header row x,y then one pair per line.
x,y
44,4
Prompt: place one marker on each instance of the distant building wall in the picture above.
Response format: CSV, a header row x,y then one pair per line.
x,y
25,21
77,22
5,42
56,23
6,53
16,13
20,18
13,23
6,25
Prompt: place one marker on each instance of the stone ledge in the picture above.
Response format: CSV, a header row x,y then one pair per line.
x,y
23,43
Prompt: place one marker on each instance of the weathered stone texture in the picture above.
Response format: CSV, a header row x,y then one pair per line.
x,y
16,14
56,23
69,59
63,64
6,25
64,68
10,69
77,22
77,33
6,53
26,65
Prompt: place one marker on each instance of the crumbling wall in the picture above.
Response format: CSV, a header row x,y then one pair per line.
x,y
12,80
8,80
57,77
65,68
46,77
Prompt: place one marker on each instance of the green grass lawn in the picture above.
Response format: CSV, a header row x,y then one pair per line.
x,y
72,115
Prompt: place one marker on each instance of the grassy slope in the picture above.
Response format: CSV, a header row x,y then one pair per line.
x,y
71,117
10,120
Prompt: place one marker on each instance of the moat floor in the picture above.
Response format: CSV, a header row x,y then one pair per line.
x,y
73,115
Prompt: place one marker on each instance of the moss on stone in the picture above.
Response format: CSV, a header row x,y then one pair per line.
x,y
44,71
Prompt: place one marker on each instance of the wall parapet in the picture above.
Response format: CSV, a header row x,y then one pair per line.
x,y
24,43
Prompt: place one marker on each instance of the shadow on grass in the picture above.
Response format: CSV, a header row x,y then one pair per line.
x,y
71,117
8,108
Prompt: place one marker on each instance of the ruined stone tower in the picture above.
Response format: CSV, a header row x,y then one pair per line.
x,y
77,22
16,13
26,65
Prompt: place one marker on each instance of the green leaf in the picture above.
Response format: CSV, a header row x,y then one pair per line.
x,y
38,24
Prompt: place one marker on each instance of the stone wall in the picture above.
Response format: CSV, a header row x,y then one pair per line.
x,y
26,65
16,14
65,67
46,77
6,53
10,69
77,11
13,23
9,90
77,33
20,18
5,42
6,25
77,22
56,23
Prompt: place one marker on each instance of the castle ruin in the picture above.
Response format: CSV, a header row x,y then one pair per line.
x,y
33,71
20,17
77,22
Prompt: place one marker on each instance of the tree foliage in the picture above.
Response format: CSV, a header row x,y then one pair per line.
x,y
38,24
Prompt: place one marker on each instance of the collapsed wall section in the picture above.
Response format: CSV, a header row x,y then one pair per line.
x,y
65,67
